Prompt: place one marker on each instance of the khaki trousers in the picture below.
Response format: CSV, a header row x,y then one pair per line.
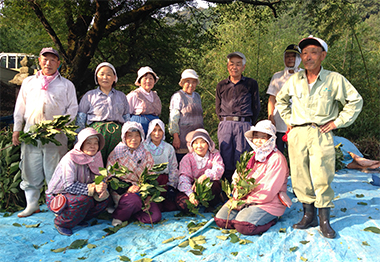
x,y
312,165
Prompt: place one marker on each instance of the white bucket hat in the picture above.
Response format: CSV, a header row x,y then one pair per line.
x,y
107,65
264,126
144,70
188,73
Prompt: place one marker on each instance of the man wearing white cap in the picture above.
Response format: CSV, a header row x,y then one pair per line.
x,y
292,60
42,96
237,105
312,115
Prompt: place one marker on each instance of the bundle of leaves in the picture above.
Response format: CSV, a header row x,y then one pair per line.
x,y
339,157
46,131
242,186
10,194
203,194
150,191
111,174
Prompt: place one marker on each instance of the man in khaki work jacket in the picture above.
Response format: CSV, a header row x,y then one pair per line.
x,y
312,115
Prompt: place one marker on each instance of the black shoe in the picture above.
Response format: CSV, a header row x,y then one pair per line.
x,y
309,218
324,221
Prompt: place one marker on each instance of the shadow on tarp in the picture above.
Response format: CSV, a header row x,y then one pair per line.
x,y
279,243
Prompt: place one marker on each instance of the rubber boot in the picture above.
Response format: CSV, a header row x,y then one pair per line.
x,y
32,196
324,223
309,218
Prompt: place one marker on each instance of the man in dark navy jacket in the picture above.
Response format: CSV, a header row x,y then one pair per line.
x,y
237,106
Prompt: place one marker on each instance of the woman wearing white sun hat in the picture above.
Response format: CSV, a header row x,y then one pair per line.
x,y
186,113
144,104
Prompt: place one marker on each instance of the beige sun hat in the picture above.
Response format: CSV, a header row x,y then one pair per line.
x,y
188,73
143,71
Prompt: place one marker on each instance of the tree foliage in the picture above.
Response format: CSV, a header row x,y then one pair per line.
x,y
76,28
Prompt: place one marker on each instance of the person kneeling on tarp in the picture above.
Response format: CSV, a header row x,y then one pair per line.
x,y
73,182
262,206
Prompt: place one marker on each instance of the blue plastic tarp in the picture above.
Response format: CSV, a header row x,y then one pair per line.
x,y
357,204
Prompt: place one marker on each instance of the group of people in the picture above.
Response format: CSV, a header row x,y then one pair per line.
x,y
127,130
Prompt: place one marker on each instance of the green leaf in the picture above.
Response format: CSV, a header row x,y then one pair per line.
x,y
14,190
364,243
304,242
124,258
17,225
233,238
98,179
362,203
78,244
119,249
33,226
244,241
359,195
184,243
59,250
196,252
144,260
343,209
168,240
293,249
234,253
91,246
375,230
103,171
222,237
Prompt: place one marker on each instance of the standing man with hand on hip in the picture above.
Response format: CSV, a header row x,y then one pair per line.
x,y
292,60
42,96
237,106
312,115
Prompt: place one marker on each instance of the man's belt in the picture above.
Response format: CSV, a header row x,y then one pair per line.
x,y
236,119
307,124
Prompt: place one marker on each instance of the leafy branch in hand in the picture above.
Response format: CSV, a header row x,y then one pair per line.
x,y
203,194
111,174
150,191
45,131
242,186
